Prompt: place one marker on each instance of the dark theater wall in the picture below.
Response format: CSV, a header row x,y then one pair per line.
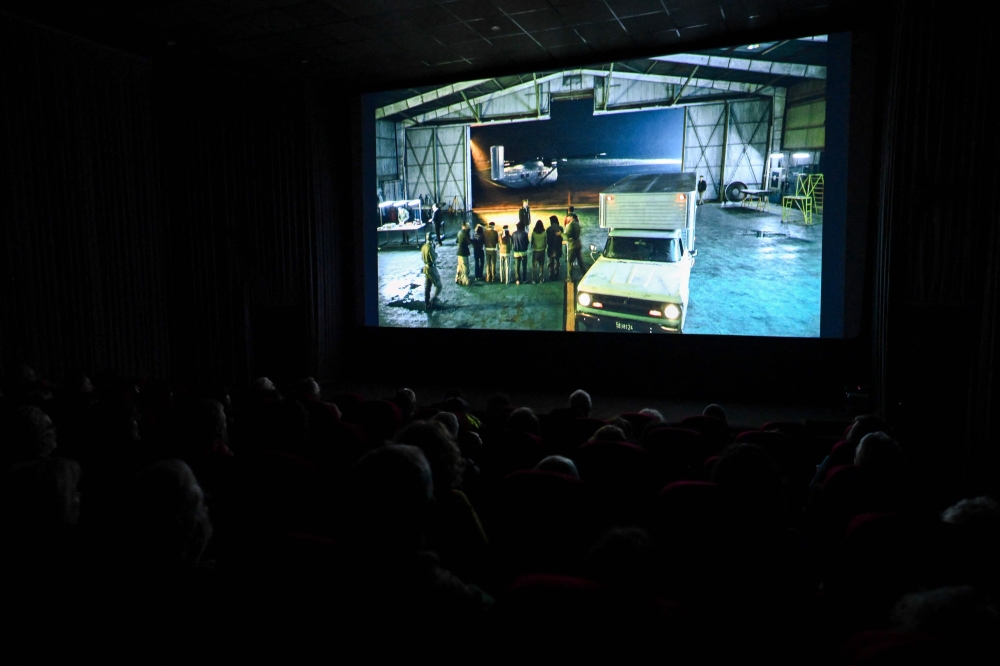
x,y
159,222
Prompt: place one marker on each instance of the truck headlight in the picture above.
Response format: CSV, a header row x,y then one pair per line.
x,y
672,311
584,299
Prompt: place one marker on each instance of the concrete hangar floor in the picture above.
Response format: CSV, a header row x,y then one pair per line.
x,y
754,275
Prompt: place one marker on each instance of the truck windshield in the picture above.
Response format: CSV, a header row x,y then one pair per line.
x,y
643,249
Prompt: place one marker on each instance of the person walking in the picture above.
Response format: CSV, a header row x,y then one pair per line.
x,y
431,275
539,242
570,212
490,241
478,242
504,250
554,240
702,186
437,216
462,269
521,245
574,247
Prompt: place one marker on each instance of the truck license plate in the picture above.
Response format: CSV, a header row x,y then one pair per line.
x,y
624,327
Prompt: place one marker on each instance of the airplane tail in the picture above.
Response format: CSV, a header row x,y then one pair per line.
x,y
496,163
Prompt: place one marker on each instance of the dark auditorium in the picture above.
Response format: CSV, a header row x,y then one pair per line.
x,y
540,331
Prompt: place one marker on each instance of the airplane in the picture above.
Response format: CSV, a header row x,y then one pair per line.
x,y
531,173
527,174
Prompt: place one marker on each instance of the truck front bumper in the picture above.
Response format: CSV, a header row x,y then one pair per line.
x,y
608,322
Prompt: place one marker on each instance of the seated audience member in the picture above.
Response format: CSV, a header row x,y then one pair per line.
x,y
406,400
498,408
861,426
624,426
468,442
455,532
883,461
26,433
964,616
980,513
168,526
625,557
558,464
579,401
397,582
202,439
880,454
715,411
750,477
41,507
308,390
654,413
392,498
609,433
450,422
978,522
523,419
203,428
264,385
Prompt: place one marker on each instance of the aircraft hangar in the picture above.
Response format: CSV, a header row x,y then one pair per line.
x,y
741,106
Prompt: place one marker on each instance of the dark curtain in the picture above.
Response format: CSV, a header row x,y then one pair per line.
x,y
164,223
249,192
937,275
81,244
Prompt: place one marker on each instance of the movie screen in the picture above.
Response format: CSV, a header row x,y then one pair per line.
x,y
673,194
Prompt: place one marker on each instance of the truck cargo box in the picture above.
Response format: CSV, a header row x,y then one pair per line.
x,y
657,201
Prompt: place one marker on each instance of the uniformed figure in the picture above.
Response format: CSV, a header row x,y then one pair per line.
x,y
431,275
523,215
574,247
569,216
702,186
490,241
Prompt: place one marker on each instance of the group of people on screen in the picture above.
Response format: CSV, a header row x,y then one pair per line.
x,y
488,244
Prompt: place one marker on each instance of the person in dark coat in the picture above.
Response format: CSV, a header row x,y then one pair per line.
x,y
523,215
478,250
702,186
521,246
554,238
574,246
539,244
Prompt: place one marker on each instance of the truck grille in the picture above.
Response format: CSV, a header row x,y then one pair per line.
x,y
625,305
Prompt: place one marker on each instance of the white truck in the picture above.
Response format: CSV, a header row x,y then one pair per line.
x,y
639,283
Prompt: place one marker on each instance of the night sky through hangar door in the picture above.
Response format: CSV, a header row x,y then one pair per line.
x,y
437,164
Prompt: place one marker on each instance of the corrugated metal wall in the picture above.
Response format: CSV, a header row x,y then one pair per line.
x,y
704,134
386,164
749,129
437,164
744,142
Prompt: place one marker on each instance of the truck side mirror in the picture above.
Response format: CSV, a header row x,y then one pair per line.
x,y
593,248
693,253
